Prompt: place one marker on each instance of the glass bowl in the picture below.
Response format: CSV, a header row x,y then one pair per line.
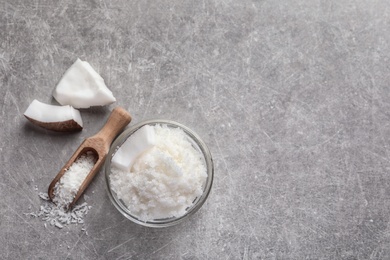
x,y
196,142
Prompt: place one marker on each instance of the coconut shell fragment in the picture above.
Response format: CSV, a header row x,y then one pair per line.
x,y
55,118
64,126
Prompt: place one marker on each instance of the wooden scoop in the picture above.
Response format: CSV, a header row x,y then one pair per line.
x,y
99,145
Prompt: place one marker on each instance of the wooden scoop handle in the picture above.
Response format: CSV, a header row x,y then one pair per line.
x,y
118,120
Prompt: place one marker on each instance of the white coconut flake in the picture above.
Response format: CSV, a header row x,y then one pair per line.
x,y
44,196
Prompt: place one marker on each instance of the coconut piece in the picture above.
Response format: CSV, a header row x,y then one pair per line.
x,y
56,118
82,87
142,140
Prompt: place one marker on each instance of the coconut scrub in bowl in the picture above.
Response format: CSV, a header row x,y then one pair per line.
x,y
159,173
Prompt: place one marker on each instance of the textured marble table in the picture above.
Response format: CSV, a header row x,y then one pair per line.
x,y
292,98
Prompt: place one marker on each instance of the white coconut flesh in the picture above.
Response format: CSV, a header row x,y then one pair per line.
x,y
56,118
142,140
82,87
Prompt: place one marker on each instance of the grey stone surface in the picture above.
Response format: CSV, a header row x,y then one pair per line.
x,y
292,98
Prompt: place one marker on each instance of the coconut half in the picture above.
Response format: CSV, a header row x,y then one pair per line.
x,y
82,87
56,118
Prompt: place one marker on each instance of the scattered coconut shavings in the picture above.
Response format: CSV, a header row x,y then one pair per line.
x,y
57,216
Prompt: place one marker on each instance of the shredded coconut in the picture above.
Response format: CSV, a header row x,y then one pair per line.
x,y
58,216
164,180
65,190
67,187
